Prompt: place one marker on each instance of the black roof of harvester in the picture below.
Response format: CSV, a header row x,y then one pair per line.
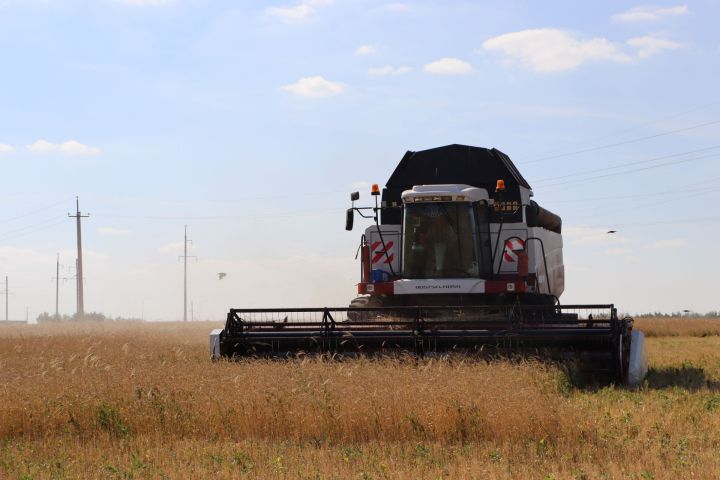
x,y
451,164
475,166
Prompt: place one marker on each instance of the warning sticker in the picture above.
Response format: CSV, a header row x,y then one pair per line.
x,y
378,252
513,246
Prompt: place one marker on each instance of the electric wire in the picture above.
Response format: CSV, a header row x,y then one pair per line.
x,y
626,164
261,216
659,222
641,206
624,142
636,127
689,189
32,212
625,172
26,227
38,228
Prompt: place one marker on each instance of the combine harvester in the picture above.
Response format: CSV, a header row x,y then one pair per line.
x,y
459,258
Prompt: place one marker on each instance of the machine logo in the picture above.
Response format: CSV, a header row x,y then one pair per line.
x,y
379,253
513,246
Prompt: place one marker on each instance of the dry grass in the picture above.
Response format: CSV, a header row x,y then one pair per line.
x,y
143,401
678,326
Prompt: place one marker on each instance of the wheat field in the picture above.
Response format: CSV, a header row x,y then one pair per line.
x,y
138,400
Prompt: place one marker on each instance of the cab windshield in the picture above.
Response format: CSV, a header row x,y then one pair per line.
x,y
440,241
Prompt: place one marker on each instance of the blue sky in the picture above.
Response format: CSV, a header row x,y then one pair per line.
x,y
251,122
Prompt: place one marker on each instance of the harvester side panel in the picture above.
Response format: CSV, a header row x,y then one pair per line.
x,y
379,260
502,247
547,253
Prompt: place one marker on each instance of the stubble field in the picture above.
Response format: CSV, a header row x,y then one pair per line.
x,y
125,400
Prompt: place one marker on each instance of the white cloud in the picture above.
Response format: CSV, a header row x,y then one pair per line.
x,y
366,50
388,70
175,247
619,251
314,87
71,147
449,66
112,232
649,46
292,14
145,3
23,255
76,148
87,253
649,14
670,243
360,185
43,146
297,13
397,7
552,50
6,148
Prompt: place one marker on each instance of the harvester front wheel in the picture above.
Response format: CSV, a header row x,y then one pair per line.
x,y
622,352
366,301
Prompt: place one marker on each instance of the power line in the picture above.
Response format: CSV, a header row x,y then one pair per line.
x,y
643,205
627,164
685,189
32,212
265,215
617,144
597,177
180,204
636,127
660,222
34,230
26,227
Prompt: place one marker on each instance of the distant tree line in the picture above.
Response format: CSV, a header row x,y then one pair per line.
x,y
711,314
88,317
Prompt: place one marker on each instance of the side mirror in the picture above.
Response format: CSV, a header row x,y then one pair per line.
x,y
354,196
349,218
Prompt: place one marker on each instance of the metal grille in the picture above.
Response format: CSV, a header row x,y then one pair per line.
x,y
487,316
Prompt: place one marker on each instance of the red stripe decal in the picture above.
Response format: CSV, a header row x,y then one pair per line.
x,y
379,254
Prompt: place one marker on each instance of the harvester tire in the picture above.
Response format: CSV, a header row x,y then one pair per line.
x,y
626,343
367,301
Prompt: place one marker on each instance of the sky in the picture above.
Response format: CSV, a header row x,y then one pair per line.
x,y
250,122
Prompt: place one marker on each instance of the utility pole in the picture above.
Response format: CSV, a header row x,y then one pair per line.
x,y
80,299
185,277
185,257
7,299
57,287
57,279
77,291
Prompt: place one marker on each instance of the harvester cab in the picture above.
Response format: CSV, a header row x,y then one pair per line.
x,y
457,243
457,258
